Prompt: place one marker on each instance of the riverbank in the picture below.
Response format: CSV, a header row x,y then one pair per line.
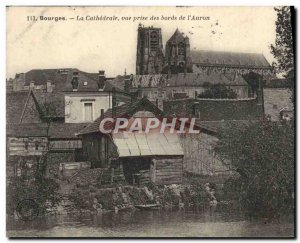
x,y
93,199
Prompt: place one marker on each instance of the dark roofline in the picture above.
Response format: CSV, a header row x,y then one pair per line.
x,y
230,65
96,91
230,52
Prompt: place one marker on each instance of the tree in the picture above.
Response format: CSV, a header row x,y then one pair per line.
x,y
283,49
218,91
262,153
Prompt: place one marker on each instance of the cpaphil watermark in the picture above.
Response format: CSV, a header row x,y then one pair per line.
x,y
147,125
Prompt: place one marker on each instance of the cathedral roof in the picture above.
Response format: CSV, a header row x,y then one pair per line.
x,y
176,37
229,59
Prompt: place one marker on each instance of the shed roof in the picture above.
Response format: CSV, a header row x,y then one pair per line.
x,y
56,130
147,144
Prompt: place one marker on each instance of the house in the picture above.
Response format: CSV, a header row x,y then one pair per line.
x,y
84,102
42,124
140,157
32,133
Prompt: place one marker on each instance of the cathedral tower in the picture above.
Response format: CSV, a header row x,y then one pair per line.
x,y
178,59
149,57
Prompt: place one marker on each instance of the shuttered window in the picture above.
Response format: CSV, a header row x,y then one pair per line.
x,y
88,112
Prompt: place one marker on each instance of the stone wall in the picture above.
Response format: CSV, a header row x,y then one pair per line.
x,y
215,109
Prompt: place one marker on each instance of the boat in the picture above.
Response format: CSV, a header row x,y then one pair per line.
x,y
148,206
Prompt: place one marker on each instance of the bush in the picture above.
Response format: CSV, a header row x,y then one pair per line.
x,y
262,152
218,91
43,191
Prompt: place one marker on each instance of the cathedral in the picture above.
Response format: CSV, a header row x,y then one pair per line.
x,y
178,57
150,56
177,70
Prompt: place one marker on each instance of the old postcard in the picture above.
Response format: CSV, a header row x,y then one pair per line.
x,y
150,122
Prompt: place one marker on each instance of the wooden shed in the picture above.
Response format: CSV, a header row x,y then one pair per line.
x,y
141,157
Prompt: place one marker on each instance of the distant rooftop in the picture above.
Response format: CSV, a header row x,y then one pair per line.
x,y
229,58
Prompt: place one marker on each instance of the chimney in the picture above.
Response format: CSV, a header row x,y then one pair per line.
x,y
139,91
101,113
127,83
101,80
31,85
75,81
114,102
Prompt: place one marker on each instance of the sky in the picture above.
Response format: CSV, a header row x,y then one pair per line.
x,y
110,45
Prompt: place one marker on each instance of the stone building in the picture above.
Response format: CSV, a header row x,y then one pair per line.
x,y
186,72
150,58
177,54
180,57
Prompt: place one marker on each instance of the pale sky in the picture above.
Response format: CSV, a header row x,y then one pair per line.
x,y
111,45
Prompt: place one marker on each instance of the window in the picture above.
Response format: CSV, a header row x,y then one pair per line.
x,y
85,83
88,112
154,41
181,48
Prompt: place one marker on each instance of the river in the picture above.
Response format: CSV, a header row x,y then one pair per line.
x,y
222,222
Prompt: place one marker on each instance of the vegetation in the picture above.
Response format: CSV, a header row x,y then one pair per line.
x,y
218,91
33,183
43,191
263,155
283,50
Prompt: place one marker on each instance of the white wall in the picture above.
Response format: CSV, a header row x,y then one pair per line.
x,y
74,105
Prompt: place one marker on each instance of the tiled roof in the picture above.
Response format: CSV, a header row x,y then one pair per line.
x,y
56,99
199,79
215,109
62,78
176,37
26,129
121,111
56,130
229,58
15,102
65,130
118,83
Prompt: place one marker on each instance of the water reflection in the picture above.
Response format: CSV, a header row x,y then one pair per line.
x,y
190,222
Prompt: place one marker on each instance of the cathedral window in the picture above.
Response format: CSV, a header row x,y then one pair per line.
x,y
181,48
153,41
